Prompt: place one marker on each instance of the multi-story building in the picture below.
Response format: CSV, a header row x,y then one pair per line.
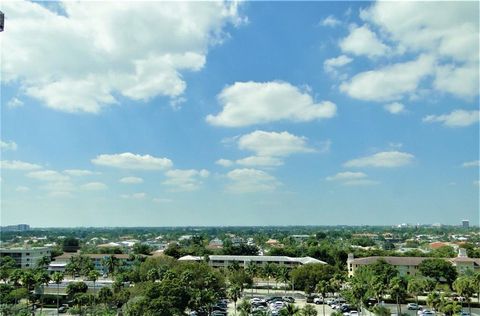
x,y
26,257
465,223
60,262
409,265
223,261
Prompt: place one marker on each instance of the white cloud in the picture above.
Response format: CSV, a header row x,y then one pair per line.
x,y
330,21
331,65
273,144
476,183
470,164
249,103
457,118
224,162
448,31
251,180
362,41
48,175
395,108
162,200
350,178
78,61
131,180
18,165
8,145
78,172
386,159
134,196
94,186
347,175
260,161
390,82
22,189
185,180
14,103
133,161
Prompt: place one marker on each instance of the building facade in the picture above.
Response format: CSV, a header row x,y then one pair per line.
x,y
59,263
223,261
26,258
409,265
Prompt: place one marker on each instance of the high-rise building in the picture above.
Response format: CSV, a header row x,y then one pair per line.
x,y
465,223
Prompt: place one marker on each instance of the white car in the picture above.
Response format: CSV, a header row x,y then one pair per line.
x,y
318,300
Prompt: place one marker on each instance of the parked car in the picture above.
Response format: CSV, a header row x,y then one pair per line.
x,y
414,306
318,300
288,299
311,298
426,313
63,309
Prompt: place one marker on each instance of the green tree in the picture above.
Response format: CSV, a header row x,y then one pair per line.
x,y
398,291
234,293
42,278
268,271
43,262
434,300
105,295
416,286
309,310
465,287
93,276
74,288
283,276
57,277
290,310
245,308
438,269
110,263
306,277
252,271
323,287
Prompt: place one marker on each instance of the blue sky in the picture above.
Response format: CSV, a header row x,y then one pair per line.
x,y
251,113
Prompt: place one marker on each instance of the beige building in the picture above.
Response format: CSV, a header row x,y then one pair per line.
x,y
409,265
224,261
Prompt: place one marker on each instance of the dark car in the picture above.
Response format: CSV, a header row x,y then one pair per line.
x,y
289,299
311,298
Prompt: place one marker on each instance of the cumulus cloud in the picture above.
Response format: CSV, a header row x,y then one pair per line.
x,y
224,162
78,172
470,164
15,103
162,200
330,21
18,165
331,65
273,143
390,82
394,108
362,41
133,161
260,161
185,180
447,32
350,178
457,118
8,145
78,61
251,180
48,175
131,180
249,103
386,159
94,186
22,189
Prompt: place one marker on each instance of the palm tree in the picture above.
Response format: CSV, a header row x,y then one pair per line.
x,y
309,310
416,286
283,276
465,287
110,263
268,272
245,308
234,293
398,290
323,288
93,276
105,295
57,277
42,278
290,310
43,262
476,282
252,270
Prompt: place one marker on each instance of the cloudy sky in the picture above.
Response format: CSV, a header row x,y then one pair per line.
x,y
252,113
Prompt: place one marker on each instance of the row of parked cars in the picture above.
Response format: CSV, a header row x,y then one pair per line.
x,y
272,304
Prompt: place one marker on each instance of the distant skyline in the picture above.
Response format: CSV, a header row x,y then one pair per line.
x,y
239,113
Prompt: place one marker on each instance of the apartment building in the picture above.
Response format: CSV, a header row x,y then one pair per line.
x,y
26,257
409,265
60,262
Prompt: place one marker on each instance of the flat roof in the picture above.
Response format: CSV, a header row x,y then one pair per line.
x,y
303,260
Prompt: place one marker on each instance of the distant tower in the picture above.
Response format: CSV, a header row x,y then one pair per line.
x,y
465,223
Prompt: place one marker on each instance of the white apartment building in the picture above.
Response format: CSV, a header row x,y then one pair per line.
x,y
223,261
26,257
